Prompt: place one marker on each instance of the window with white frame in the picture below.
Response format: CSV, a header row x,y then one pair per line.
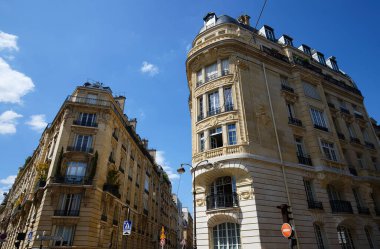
x,y
270,34
284,81
146,201
202,142
366,135
231,129
76,169
288,41
318,118
216,138
226,236
225,66
345,238
211,71
329,151
311,91
83,143
213,103
66,235
147,183
199,77
87,119
228,104
69,205
320,236
333,193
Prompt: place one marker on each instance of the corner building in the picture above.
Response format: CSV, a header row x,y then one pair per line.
x,y
281,125
89,173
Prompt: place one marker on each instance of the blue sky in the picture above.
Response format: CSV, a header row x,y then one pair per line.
x,y
138,48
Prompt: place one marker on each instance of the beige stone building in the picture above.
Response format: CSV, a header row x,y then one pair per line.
x,y
280,125
89,173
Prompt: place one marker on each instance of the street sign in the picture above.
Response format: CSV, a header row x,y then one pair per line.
x,y
286,230
162,243
30,236
127,227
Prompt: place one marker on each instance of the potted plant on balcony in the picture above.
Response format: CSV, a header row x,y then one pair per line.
x,y
42,170
112,184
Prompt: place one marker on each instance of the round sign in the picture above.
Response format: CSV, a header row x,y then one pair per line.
x,y
286,230
162,242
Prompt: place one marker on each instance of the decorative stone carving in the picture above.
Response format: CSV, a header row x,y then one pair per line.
x,y
200,202
245,195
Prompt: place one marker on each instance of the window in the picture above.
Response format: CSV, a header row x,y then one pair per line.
x,y
147,183
336,125
199,77
213,103
288,41
146,201
360,160
319,236
345,238
329,151
216,138
311,91
290,109
225,67
374,162
69,205
76,170
130,171
369,237
299,146
365,135
334,65
306,50
358,199
284,81
83,143
321,59
228,104
318,118
87,119
231,134
309,190
351,130
136,200
269,34
201,142
200,108
333,193
222,193
226,236
66,233
211,72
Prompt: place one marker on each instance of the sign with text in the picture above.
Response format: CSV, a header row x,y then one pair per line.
x,y
286,230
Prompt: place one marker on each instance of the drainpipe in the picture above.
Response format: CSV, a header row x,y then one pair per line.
x,y
279,151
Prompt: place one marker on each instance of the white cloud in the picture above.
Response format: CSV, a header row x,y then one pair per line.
x,y
8,122
13,84
160,159
5,185
149,68
8,41
37,122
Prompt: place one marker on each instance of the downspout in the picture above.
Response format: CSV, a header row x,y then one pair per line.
x,y
279,150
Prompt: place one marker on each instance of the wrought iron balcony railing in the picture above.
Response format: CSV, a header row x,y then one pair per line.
x,y
214,111
217,201
369,145
66,212
85,123
73,179
304,159
314,204
294,121
363,210
323,128
338,206
112,189
80,149
345,111
287,88
355,140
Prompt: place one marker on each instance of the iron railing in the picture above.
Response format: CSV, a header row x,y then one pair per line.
x,y
319,127
345,111
304,159
355,140
80,149
88,101
363,210
314,204
217,201
112,189
66,212
338,206
85,123
73,179
295,121
287,88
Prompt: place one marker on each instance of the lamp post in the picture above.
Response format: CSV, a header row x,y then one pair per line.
x,y
182,170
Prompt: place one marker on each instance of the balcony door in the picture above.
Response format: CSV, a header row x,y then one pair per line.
x,y
222,192
213,103
69,205
83,143
75,172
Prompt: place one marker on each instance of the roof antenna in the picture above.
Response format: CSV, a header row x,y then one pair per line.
x,y
258,19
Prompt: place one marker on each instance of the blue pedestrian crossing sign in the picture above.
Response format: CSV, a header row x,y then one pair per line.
x,y
127,227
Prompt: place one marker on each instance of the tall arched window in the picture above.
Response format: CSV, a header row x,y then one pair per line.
x,y
320,236
227,236
222,193
345,238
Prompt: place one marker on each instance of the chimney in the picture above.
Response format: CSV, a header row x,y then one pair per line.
x,y
133,123
145,143
244,19
121,101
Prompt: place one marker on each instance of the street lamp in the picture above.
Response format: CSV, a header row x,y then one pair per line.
x,y
182,170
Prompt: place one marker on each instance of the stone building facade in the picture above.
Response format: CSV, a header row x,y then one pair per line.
x,y
89,173
279,125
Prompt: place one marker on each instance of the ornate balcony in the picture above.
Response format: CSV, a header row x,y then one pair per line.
x,y
314,204
304,159
73,179
287,88
218,201
214,111
112,189
319,127
80,149
294,121
338,206
85,123
66,212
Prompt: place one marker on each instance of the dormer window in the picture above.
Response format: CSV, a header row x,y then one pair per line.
x,y
306,49
286,40
319,57
331,62
269,34
209,20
